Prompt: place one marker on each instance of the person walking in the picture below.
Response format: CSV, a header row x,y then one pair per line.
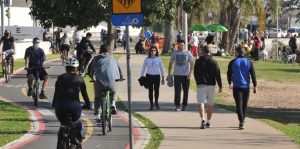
x,y
154,71
238,76
183,69
256,47
206,73
293,43
194,43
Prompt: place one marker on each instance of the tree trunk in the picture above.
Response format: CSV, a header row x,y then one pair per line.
x,y
111,35
231,21
168,36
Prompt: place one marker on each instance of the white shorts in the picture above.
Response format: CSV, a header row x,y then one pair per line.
x,y
206,94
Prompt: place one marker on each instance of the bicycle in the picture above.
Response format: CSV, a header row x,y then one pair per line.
x,y
66,135
7,62
36,85
106,115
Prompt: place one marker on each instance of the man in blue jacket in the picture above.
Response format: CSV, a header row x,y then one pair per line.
x,y
238,75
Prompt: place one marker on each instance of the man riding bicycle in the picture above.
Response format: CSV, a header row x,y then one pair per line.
x,y
106,70
83,54
35,58
66,96
7,42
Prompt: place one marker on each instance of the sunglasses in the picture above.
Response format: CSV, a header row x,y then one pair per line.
x,y
153,50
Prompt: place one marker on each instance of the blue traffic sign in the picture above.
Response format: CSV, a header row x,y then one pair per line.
x,y
127,19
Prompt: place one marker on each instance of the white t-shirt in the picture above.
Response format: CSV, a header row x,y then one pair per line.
x,y
152,66
194,41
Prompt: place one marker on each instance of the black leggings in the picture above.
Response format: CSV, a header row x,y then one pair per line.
x,y
63,109
153,83
241,97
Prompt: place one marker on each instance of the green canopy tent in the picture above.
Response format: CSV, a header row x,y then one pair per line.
x,y
199,28
217,28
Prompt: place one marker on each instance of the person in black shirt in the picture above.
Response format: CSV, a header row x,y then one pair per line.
x,y
206,73
7,42
83,55
66,96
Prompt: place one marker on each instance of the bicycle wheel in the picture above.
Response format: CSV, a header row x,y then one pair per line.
x,y
35,93
108,110
8,73
109,120
103,117
64,144
5,73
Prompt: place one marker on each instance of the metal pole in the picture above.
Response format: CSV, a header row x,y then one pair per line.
x,y
129,87
8,16
2,17
185,30
277,56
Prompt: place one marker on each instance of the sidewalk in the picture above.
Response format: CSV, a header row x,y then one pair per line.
x,y
181,129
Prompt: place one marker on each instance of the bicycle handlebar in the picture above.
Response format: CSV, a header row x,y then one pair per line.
x,y
36,68
117,80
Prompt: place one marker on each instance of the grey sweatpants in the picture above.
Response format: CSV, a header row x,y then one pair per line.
x,y
99,89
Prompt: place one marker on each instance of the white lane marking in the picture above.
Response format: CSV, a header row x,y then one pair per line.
x,y
46,112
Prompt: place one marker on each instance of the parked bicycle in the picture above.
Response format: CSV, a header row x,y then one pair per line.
x,y
67,136
36,85
7,64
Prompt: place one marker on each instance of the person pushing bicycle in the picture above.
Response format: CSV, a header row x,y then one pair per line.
x,y
66,96
106,71
35,58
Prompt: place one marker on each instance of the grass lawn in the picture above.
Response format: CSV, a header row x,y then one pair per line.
x,y
271,71
14,120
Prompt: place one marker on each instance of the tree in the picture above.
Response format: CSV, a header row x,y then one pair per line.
x,y
75,13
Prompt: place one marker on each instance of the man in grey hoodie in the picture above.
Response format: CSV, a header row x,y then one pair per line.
x,y
106,71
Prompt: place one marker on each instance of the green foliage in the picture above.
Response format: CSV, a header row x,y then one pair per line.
x,y
75,13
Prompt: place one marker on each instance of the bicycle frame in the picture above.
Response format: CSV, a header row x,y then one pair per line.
x,y
7,66
65,134
35,88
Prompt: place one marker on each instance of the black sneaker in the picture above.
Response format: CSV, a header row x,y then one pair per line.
x,y
29,92
183,108
241,126
43,96
98,121
202,124
208,125
157,106
113,110
151,107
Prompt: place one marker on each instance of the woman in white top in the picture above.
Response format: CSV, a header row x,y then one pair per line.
x,y
154,73
65,46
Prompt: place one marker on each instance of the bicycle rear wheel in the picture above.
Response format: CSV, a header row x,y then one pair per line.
x,y
64,144
5,73
35,93
8,73
103,117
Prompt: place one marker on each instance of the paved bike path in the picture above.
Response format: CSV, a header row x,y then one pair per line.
x,y
45,133
181,129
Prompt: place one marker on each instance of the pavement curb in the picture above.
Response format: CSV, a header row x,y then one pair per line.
x,y
141,134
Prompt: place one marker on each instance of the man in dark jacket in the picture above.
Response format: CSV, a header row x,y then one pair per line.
x,y
238,75
83,54
293,43
206,73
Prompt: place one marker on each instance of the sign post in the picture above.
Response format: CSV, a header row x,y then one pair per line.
x,y
126,13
